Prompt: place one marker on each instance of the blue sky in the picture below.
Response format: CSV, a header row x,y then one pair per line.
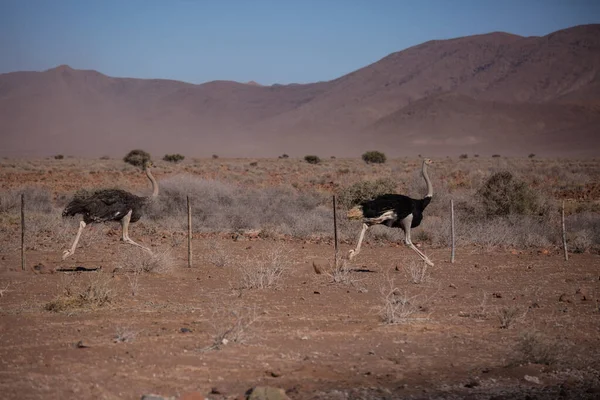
x,y
267,41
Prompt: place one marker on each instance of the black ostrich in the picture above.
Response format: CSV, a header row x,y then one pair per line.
x,y
110,205
394,211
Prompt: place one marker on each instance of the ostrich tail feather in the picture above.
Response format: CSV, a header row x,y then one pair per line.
x,y
355,213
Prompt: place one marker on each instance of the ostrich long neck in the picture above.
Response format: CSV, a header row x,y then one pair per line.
x,y
426,176
153,182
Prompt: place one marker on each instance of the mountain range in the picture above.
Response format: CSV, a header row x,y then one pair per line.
x,y
495,93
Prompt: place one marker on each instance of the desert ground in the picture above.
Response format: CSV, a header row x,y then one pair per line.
x,y
264,303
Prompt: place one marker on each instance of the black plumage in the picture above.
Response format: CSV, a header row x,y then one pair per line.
x,y
400,204
109,205
106,205
394,211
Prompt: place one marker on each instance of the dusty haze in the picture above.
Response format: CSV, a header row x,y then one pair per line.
x,y
488,94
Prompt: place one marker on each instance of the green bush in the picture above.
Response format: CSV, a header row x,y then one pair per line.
x,y
174,158
374,157
312,159
137,158
503,194
365,190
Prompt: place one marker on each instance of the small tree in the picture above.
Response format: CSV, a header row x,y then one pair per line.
x,y
312,159
174,158
374,157
137,158
503,194
365,190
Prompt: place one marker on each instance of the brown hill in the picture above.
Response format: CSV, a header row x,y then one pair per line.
x,y
493,93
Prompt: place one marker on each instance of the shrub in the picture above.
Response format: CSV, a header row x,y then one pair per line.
x,y
312,159
137,158
214,156
174,158
463,156
365,190
531,155
535,348
284,156
503,194
495,155
59,157
374,157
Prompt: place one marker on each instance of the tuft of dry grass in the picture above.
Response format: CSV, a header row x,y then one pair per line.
x,y
231,324
398,307
97,292
508,316
535,348
265,270
137,260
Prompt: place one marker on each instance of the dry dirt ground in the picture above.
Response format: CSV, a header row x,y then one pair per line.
x,y
308,334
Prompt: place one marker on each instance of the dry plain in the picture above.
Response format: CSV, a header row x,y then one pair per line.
x,y
510,318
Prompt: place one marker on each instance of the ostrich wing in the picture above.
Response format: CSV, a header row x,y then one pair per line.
x,y
400,204
103,205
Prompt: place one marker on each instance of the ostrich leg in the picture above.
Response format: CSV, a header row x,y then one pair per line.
x,y
71,251
354,253
125,226
406,222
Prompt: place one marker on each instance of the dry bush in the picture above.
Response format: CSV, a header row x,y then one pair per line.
x,y
221,207
124,334
230,324
96,292
365,190
340,271
265,270
416,272
36,200
397,307
137,158
535,348
507,316
138,260
216,254
504,194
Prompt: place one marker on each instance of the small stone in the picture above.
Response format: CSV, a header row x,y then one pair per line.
x,y
267,393
532,379
192,396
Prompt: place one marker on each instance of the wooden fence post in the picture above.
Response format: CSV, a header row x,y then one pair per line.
x,y
189,211
22,231
452,230
564,232
335,232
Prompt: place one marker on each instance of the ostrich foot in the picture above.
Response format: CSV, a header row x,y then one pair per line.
x,y
352,254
